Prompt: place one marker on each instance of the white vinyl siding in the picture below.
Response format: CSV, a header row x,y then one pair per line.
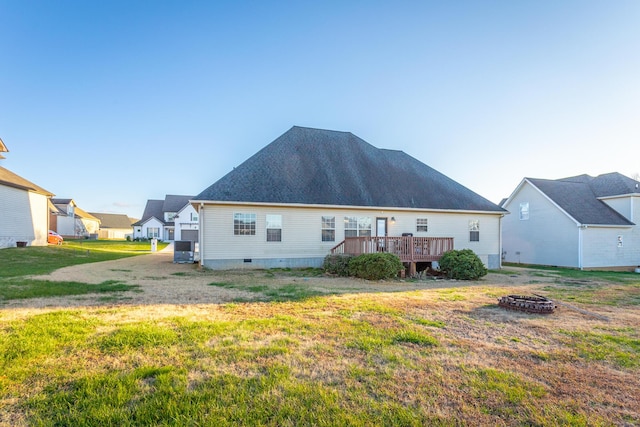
x,y
302,227
24,217
549,237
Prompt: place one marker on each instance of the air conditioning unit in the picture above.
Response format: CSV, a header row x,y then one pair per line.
x,y
183,252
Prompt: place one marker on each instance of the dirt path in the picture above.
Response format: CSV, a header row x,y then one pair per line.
x,y
161,281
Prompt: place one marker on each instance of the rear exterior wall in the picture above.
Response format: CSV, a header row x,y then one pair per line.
x,y
302,246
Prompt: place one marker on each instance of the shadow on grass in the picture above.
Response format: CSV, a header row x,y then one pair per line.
x,y
26,288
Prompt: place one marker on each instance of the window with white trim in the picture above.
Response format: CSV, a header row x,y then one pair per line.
x,y
328,228
244,224
194,217
524,211
153,232
274,228
422,225
357,227
474,230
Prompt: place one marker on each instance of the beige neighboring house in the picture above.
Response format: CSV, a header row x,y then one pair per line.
x,y
114,226
68,220
313,191
24,211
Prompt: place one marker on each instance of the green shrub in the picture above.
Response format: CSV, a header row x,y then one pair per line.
x,y
462,265
376,266
337,264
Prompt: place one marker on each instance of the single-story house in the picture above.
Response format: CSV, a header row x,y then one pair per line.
x,y
113,226
580,222
68,220
310,190
173,218
24,211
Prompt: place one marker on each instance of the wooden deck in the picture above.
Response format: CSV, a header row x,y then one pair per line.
x,y
408,248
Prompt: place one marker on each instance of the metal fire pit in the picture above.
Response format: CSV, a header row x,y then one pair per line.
x,y
529,304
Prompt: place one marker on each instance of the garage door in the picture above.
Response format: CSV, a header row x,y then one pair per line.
x,y
190,235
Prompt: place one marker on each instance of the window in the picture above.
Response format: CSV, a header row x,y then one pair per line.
x,y
244,224
194,217
153,232
274,228
357,227
474,230
170,216
524,211
421,225
328,228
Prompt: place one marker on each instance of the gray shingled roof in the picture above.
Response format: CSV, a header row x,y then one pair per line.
x,y
314,166
109,220
173,203
578,196
152,209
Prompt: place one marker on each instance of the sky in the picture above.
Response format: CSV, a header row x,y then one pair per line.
x,y
111,103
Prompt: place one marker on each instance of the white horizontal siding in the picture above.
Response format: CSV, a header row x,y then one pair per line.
x,y
23,217
302,231
622,205
548,237
600,247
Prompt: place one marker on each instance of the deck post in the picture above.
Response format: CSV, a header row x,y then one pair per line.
x,y
412,269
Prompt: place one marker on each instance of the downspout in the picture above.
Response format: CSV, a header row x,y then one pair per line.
x,y
580,241
500,240
201,232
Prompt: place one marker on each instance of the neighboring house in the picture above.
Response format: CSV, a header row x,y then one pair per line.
x,y
114,226
581,222
68,220
170,219
303,194
24,211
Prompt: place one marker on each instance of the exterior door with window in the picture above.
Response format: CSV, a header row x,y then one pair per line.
x,y
381,231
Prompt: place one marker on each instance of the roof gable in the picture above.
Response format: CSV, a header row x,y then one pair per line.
x,y
314,166
153,208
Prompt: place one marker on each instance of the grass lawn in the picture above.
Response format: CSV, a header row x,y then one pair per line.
x,y
441,356
45,259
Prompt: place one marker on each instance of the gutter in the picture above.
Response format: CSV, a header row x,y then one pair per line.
x,y
372,208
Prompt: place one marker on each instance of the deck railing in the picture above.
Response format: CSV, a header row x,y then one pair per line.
x,y
408,248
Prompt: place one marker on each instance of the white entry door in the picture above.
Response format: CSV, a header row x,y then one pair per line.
x,y
381,227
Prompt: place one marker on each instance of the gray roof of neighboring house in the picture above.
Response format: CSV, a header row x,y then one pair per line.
x,y
324,167
109,220
61,201
173,203
578,196
10,179
152,209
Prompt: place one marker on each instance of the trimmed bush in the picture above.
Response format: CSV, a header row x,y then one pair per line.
x,y
337,264
462,265
376,266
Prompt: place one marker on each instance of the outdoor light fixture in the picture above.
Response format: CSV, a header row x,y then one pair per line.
x,y
393,219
